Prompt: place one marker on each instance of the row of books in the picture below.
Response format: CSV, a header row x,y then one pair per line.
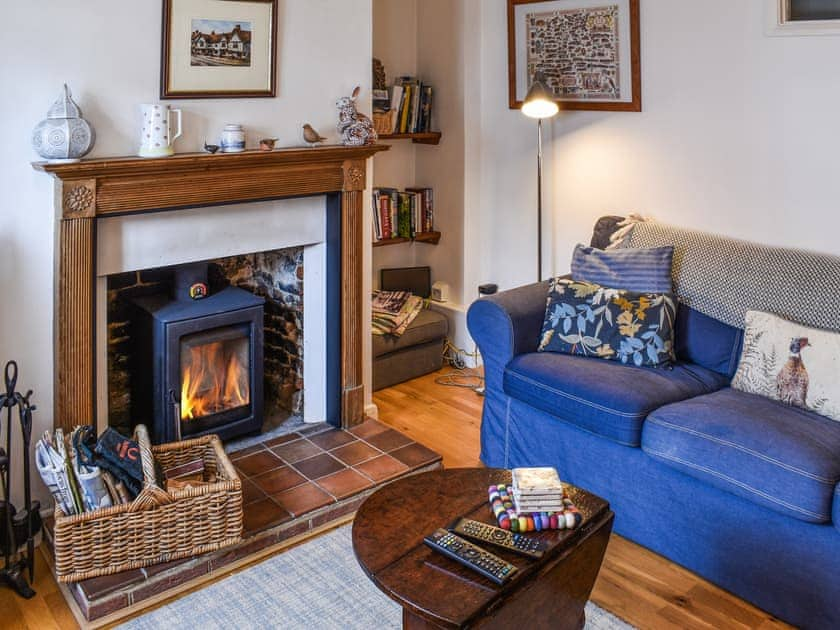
x,y
402,213
412,102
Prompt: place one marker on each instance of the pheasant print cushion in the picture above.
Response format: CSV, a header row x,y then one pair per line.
x,y
791,363
591,320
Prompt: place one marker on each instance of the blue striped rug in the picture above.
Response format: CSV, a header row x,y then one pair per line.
x,y
316,585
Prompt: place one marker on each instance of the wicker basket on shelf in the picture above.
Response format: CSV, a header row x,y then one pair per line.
x,y
157,526
383,122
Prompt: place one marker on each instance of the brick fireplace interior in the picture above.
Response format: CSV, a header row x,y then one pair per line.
x,y
230,378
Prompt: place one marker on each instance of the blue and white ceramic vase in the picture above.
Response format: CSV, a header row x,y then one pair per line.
x,y
233,139
64,136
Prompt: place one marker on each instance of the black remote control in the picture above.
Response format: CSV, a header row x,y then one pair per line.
x,y
473,557
484,533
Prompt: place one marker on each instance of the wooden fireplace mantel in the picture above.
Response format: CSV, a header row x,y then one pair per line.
x,y
97,188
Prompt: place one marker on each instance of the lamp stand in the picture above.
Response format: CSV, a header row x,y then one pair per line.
x,y
539,199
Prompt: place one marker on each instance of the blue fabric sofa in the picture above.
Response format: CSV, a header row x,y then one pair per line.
x,y
740,489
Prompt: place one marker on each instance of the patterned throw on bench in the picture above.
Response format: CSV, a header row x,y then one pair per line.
x,y
393,311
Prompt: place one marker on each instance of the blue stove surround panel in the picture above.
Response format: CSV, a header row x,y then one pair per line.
x,y
333,332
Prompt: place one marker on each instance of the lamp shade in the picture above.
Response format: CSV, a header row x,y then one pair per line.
x,y
539,102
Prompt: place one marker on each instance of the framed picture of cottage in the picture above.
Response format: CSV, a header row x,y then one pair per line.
x,y
588,51
218,48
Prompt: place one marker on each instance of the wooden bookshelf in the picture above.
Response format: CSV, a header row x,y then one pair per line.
x,y
427,237
426,137
390,241
421,237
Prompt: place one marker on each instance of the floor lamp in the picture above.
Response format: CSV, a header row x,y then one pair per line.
x,y
539,103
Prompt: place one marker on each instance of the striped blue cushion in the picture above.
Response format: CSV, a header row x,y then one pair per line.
x,y
642,270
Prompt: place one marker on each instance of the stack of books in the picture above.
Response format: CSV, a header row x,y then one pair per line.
x,y
412,102
537,490
402,213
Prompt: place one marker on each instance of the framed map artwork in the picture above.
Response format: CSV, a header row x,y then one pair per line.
x,y
588,51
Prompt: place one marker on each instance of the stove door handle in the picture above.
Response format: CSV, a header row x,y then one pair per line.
x,y
176,412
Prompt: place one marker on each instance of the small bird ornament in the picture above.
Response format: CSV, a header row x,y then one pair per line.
x,y
312,137
792,381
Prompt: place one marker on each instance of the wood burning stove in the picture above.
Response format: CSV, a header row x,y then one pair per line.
x,y
198,362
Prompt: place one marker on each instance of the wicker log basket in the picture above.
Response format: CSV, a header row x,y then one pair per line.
x,y
157,526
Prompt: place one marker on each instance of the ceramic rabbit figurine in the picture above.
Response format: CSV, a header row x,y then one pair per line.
x,y
355,128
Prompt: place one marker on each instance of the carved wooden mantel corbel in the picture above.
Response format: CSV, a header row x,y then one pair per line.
x,y
92,189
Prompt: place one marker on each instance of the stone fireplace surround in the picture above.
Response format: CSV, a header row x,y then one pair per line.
x,y
91,190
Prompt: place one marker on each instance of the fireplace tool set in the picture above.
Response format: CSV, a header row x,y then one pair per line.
x,y
17,526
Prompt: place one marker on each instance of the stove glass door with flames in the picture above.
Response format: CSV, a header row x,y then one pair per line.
x,y
215,374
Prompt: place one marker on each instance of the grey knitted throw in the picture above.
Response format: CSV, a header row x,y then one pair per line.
x,y
725,277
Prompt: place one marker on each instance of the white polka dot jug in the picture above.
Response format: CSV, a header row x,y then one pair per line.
x,y
157,138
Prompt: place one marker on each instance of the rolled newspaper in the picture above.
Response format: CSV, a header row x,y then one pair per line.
x,y
53,471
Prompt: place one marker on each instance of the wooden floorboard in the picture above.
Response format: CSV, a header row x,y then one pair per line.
x,y
635,584
46,611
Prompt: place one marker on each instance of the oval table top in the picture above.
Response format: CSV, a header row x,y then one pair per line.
x,y
390,525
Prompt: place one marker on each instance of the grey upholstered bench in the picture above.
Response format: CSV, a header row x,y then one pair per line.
x,y
419,350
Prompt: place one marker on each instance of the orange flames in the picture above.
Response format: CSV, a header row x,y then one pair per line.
x,y
212,381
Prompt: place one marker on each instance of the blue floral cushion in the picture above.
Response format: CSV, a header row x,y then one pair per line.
x,y
591,320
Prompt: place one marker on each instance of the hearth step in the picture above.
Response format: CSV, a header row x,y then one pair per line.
x,y
294,486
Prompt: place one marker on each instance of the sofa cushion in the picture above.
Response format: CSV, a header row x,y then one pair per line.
x,y
591,320
791,363
835,516
784,458
707,341
603,397
428,326
643,270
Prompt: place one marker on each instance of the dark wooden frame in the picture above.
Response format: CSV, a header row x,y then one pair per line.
x,y
167,93
92,189
787,12
635,66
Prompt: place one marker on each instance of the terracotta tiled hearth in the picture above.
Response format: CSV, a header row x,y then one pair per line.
x,y
292,485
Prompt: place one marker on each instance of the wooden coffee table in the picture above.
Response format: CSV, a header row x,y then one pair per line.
x,y
437,592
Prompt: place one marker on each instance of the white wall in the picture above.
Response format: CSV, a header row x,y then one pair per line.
x,y
324,49
439,58
738,136
395,44
423,39
431,39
